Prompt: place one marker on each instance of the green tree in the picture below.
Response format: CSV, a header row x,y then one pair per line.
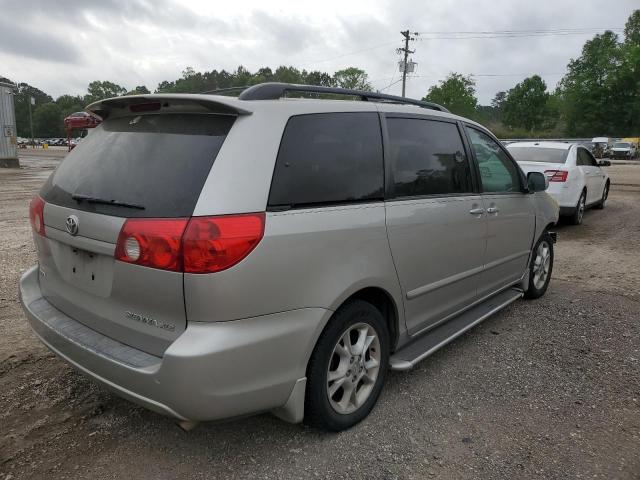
x,y
353,78
321,79
99,90
21,102
48,121
632,29
457,93
591,92
139,90
526,105
628,78
498,100
287,75
70,103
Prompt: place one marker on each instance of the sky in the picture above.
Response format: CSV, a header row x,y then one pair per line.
x,y
60,46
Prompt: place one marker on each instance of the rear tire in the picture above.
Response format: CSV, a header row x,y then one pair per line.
x,y
347,368
540,267
581,206
605,195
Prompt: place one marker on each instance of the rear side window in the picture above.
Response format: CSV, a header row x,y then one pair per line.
x,y
427,158
159,162
328,158
538,154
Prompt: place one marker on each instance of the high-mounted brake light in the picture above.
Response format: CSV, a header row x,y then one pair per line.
x,y
36,215
145,107
556,175
196,245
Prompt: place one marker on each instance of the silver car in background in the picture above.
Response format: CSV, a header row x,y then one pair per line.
x,y
211,257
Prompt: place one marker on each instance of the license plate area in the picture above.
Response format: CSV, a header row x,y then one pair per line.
x,y
87,271
83,266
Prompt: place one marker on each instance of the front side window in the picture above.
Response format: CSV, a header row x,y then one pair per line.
x,y
427,158
498,173
328,158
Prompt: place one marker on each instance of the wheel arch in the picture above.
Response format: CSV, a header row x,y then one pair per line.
x,y
384,302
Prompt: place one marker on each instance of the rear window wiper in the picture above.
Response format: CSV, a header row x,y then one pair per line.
x,y
78,197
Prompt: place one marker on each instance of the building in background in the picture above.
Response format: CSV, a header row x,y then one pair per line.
x,y
8,138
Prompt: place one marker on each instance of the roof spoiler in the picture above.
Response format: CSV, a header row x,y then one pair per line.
x,y
125,105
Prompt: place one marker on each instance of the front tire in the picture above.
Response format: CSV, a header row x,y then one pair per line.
x,y
581,206
348,367
540,267
605,195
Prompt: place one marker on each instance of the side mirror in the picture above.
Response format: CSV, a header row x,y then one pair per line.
x,y
604,163
537,182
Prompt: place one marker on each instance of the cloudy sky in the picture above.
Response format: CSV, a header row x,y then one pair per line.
x,y
60,46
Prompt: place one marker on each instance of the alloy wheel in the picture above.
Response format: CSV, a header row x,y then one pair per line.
x,y
353,368
541,265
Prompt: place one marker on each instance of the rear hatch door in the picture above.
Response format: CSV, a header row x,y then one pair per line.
x,y
132,166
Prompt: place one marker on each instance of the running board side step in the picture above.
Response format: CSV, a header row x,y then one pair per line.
x,y
420,348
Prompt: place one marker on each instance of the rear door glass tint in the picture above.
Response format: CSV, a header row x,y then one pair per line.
x,y
157,161
328,158
427,158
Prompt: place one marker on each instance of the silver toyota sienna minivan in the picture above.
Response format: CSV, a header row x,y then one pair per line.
x,y
211,257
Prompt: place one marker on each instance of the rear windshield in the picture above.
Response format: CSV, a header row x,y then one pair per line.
x,y
538,154
159,162
621,145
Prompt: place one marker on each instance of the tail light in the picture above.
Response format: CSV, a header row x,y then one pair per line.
x,y
36,215
152,242
212,244
196,245
556,175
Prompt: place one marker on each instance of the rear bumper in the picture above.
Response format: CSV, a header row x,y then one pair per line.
x,y
214,370
566,194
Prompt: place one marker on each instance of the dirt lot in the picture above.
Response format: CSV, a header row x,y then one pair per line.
x,y
544,389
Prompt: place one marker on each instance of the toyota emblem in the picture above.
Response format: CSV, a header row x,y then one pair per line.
x,y
72,225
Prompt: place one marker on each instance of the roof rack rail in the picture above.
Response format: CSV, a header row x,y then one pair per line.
x,y
226,90
275,91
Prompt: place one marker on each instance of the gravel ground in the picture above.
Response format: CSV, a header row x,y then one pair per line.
x,y
544,389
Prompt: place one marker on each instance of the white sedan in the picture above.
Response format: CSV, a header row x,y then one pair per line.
x,y
576,180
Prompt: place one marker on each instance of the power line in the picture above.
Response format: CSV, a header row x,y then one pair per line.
x,y
494,74
470,35
355,52
549,30
466,35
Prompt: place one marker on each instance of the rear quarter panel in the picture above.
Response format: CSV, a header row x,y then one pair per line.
x,y
547,212
307,258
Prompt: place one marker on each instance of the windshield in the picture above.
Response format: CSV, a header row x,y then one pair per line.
x,y
538,154
157,161
621,145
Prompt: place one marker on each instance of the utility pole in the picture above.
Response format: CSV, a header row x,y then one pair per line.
x,y
405,64
31,100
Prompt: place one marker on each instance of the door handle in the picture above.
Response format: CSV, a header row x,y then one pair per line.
x,y
493,210
476,211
